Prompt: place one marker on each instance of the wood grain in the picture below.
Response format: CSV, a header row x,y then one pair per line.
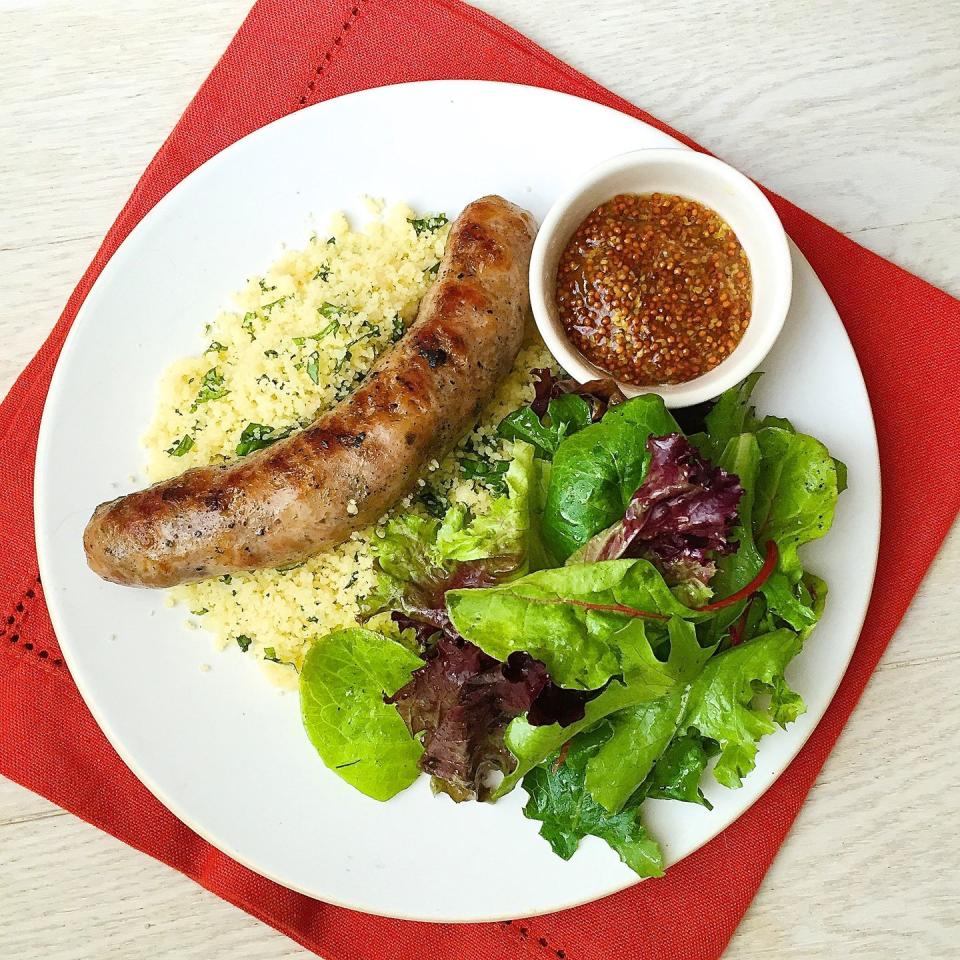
x,y
849,110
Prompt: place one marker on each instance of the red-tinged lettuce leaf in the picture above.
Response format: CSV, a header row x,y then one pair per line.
x,y
599,394
680,518
462,700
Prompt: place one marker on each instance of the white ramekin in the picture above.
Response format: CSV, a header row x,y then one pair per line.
x,y
697,177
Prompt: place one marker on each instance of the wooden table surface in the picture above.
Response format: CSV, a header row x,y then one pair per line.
x,y
851,110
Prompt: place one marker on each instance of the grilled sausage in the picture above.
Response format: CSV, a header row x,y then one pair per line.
x,y
310,491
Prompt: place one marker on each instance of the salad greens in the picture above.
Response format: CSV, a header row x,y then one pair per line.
x,y
342,685
620,617
596,471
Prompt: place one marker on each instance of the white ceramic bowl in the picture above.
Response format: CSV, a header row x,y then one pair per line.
x,y
697,177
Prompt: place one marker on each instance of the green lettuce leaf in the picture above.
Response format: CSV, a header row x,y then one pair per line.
x,y
678,771
567,811
582,647
640,735
362,739
795,494
645,678
723,701
415,554
565,415
596,471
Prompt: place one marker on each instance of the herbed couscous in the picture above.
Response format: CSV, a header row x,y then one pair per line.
x,y
300,338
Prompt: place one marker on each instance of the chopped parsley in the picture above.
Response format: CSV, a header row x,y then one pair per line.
x,y
271,353
215,347
347,356
432,502
332,327
200,612
256,436
432,270
211,388
399,328
332,242
226,578
263,286
323,273
299,341
243,642
270,654
184,444
332,311
267,307
353,579
427,224
313,367
247,324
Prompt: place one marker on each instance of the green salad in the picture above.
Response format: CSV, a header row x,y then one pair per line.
x,y
621,617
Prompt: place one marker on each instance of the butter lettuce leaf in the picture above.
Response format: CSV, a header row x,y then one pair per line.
x,y
723,704
557,616
645,678
597,469
679,770
639,736
560,800
363,740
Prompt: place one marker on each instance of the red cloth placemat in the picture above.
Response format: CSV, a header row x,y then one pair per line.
x,y
290,53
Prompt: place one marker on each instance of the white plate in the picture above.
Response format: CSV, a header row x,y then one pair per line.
x,y
221,749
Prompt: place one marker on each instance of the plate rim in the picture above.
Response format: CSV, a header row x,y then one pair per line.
x,y
41,496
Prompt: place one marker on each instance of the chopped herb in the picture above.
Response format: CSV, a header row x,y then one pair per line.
x,y
200,612
215,347
313,619
399,328
313,367
247,324
211,388
226,578
489,473
323,273
434,504
432,269
332,242
267,307
271,353
256,436
270,654
372,332
347,356
332,327
243,642
263,286
184,444
427,224
332,311
353,579
299,341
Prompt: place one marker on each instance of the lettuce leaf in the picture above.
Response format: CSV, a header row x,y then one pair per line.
x,y
583,647
723,701
363,740
596,471
680,518
646,678
560,800
677,774
639,736
419,558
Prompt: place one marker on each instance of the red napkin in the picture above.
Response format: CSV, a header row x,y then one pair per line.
x,y
290,53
